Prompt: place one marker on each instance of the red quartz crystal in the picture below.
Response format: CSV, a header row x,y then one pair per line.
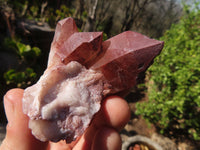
x,y
81,71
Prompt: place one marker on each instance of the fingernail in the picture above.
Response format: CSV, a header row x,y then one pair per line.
x,y
9,109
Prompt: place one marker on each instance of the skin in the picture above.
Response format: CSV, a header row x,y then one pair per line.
x,y
103,133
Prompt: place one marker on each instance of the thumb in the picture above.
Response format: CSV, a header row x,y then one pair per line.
x,y
18,135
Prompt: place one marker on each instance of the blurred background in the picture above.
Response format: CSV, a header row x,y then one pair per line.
x,y
166,100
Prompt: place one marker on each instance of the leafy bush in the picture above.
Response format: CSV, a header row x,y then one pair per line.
x,y
174,87
53,16
25,52
23,75
45,11
20,79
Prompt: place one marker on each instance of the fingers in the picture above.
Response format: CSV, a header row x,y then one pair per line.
x,y
107,139
114,114
18,135
61,145
102,133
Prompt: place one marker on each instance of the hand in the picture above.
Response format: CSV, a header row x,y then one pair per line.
x,y
102,133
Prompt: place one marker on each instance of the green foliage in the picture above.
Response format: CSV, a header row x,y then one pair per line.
x,y
34,11
63,12
26,53
174,87
24,75
52,17
42,11
20,79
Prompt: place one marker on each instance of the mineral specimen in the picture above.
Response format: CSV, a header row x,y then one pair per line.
x,y
81,71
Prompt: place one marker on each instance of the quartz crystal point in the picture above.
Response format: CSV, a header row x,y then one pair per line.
x,y
81,71
126,55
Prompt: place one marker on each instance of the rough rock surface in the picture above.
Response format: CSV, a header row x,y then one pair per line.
x,y
63,102
81,71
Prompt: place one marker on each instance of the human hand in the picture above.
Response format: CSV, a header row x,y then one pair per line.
x,y
101,134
